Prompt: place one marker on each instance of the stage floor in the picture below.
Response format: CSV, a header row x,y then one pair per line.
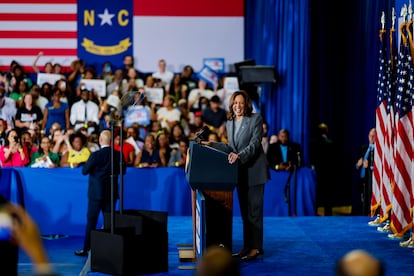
x,y
293,246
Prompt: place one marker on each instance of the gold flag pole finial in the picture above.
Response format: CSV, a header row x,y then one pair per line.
x,y
383,20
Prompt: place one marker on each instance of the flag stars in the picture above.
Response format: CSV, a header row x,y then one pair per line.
x,y
106,17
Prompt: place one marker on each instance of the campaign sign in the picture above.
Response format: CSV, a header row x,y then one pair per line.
x,y
105,31
208,75
98,86
48,78
217,64
155,95
137,114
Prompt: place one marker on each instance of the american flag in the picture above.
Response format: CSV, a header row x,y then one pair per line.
x,y
388,156
380,115
31,26
401,220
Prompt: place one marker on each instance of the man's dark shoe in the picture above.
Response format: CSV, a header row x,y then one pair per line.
x,y
82,253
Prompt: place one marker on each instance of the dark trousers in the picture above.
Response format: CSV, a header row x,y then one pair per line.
x,y
251,209
94,208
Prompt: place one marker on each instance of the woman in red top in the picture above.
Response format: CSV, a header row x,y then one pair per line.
x,y
13,153
128,150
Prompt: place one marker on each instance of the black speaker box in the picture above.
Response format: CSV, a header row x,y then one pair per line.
x,y
111,252
147,251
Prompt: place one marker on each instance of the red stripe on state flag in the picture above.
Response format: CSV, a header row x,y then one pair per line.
x,y
52,2
34,52
38,34
189,8
37,17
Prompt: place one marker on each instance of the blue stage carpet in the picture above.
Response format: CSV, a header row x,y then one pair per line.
x,y
293,246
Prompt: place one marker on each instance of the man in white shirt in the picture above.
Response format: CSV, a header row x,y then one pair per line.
x,y
164,75
84,113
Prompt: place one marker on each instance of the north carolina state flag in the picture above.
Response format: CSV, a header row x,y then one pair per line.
x,y
181,32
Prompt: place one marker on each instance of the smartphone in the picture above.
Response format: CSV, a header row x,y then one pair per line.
x,y
6,221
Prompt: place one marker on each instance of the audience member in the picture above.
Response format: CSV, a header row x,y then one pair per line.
x,y
187,78
196,94
55,111
284,154
177,133
168,115
13,153
176,88
29,115
29,140
115,84
7,109
214,116
364,166
44,157
163,74
359,262
163,145
38,99
78,152
217,261
84,113
128,150
265,137
132,81
47,68
26,235
179,157
149,156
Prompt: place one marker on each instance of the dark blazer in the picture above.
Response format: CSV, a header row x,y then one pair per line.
x,y
248,145
274,154
98,167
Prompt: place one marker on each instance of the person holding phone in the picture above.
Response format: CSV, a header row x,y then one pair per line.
x,y
13,153
22,232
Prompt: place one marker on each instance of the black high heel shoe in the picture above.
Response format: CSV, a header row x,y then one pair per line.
x,y
241,253
252,255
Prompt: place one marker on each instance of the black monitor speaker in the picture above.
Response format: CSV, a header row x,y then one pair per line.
x,y
257,74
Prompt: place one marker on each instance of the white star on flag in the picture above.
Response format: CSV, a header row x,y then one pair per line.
x,y
106,17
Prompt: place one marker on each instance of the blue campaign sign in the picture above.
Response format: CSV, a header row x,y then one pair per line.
x,y
105,31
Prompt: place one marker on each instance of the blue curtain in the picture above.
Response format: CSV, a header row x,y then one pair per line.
x,y
277,33
326,55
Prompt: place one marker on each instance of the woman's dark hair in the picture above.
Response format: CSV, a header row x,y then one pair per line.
x,y
8,135
80,135
248,104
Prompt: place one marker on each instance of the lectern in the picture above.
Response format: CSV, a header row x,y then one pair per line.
x,y
212,180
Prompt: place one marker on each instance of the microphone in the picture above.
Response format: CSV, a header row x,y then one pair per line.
x,y
202,133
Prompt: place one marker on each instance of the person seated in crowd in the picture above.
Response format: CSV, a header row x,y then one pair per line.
x,y
155,128
84,113
128,150
116,82
44,157
213,137
214,116
13,153
284,154
133,137
163,74
187,77
28,116
177,133
78,152
163,145
168,115
196,125
187,117
177,89
196,94
3,131
47,68
55,111
179,157
60,141
7,109
132,81
37,97
149,156
29,140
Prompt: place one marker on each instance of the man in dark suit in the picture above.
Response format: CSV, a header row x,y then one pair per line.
x,y
98,167
284,154
364,166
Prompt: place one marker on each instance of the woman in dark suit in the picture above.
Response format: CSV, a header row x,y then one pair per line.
x,y
244,129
